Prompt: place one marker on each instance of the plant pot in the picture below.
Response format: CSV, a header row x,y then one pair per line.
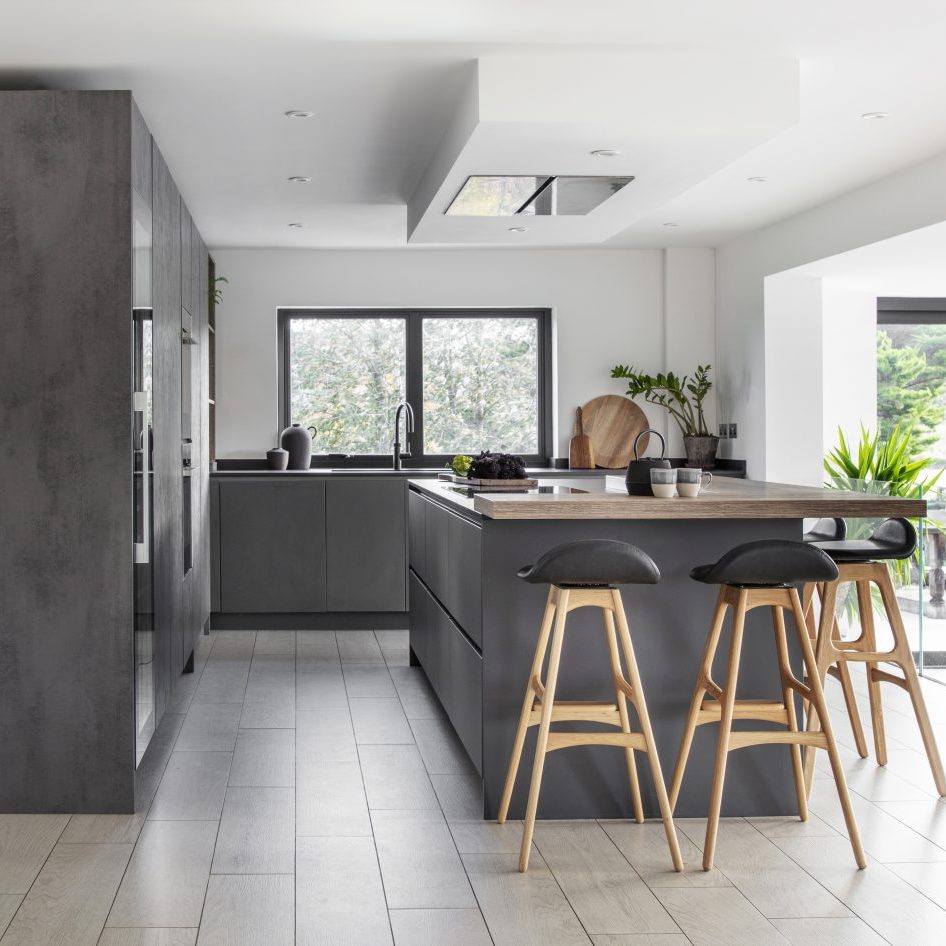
x,y
701,451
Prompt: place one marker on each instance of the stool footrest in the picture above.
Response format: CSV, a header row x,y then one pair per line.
x,y
563,740
739,740
882,676
564,710
769,710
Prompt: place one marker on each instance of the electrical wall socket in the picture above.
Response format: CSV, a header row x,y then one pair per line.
x,y
732,432
723,431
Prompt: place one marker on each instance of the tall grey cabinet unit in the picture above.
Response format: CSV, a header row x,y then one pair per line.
x,y
97,615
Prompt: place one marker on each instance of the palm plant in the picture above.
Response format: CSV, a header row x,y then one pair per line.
x,y
878,465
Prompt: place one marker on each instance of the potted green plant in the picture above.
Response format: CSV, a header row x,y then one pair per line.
x,y
683,397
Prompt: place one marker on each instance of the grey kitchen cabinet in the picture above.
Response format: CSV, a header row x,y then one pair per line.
x,y
188,252
366,548
91,220
329,544
452,665
272,546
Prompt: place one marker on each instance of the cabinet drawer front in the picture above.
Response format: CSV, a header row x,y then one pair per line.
x,y
417,529
272,547
453,667
465,576
437,533
365,522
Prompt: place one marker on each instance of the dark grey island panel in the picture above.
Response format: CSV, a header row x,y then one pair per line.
x,y
473,629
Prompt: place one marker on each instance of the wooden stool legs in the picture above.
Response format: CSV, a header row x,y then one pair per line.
x,y
832,652
539,707
713,703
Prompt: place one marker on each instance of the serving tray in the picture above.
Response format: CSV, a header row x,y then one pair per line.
x,y
496,484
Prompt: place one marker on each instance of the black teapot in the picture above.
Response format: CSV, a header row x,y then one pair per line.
x,y
638,470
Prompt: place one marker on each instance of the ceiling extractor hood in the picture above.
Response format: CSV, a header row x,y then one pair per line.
x,y
510,195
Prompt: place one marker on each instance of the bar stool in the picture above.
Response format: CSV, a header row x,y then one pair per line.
x,y
585,574
864,562
754,575
833,530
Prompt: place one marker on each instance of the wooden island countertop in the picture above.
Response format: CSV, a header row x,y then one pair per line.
x,y
725,499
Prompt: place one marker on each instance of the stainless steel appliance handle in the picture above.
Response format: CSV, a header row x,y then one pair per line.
x,y
143,548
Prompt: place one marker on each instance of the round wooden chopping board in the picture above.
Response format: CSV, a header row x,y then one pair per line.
x,y
612,422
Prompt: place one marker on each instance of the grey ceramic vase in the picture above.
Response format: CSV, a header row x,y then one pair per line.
x,y
297,441
277,459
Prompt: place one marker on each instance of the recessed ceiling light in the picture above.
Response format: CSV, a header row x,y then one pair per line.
x,y
671,224
875,115
756,180
298,113
518,229
296,226
605,152
300,180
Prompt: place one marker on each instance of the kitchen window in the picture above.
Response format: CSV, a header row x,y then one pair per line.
x,y
477,380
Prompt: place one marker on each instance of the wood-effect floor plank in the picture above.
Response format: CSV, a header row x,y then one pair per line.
x,y
264,758
25,843
193,787
210,727
885,902
166,879
770,880
834,931
147,937
339,895
718,917
257,832
420,866
9,903
103,829
645,848
603,889
395,777
330,800
70,899
249,910
439,927
522,909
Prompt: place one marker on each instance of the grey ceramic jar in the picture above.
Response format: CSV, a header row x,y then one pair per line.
x,y
277,459
297,441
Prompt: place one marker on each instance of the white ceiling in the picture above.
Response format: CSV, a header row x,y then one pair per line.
x,y
910,264
384,78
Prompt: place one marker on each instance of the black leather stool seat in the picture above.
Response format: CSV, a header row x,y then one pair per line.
x,y
770,562
595,562
892,539
826,530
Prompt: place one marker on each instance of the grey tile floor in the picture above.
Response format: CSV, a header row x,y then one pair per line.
x,y
309,791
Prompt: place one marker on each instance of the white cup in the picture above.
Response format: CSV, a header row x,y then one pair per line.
x,y
663,482
690,481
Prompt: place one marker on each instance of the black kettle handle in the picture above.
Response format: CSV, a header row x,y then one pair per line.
x,y
314,431
650,430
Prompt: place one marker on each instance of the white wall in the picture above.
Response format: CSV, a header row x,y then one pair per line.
x,y
896,204
849,358
793,330
609,306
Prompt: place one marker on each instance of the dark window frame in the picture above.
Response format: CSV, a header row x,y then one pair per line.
x,y
413,320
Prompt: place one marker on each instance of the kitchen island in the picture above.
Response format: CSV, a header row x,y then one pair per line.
x,y
473,627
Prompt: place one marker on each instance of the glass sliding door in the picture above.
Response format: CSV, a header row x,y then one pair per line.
x,y
911,392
